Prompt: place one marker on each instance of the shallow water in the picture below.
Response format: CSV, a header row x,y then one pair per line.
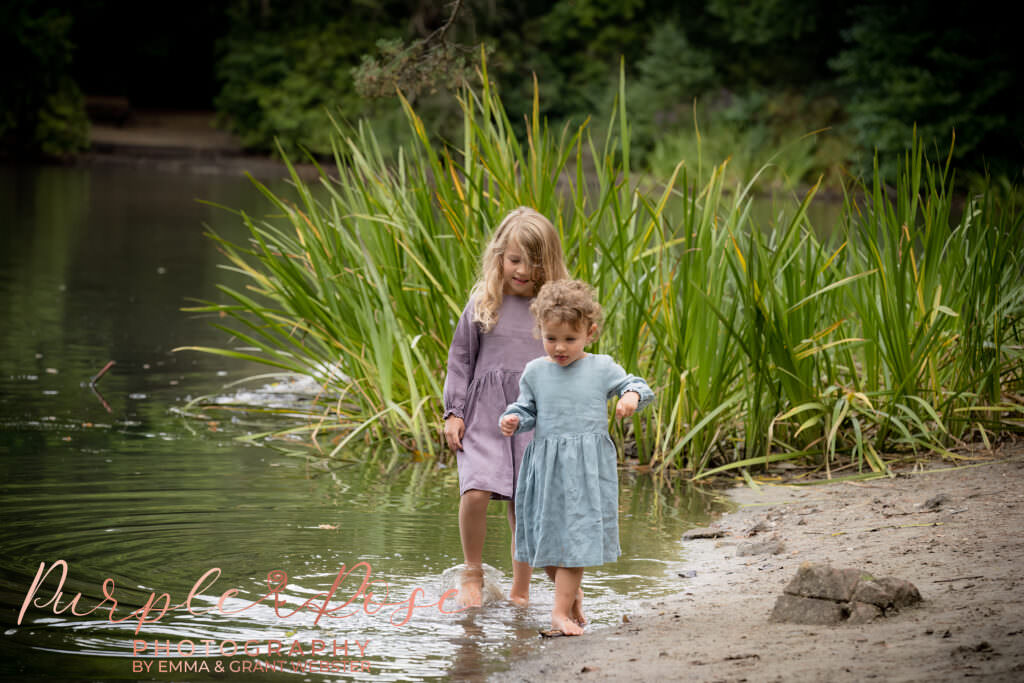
x,y
94,266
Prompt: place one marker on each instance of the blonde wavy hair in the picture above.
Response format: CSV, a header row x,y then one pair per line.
x,y
567,301
537,238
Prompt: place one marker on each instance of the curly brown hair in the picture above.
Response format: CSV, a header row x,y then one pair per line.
x,y
567,301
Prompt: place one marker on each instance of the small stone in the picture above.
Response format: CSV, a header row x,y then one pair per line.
x,y
936,502
703,532
756,528
769,547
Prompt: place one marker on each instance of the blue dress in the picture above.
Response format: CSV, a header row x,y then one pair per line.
x,y
567,496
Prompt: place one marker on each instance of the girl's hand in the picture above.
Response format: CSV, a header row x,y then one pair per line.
x,y
454,428
509,424
627,404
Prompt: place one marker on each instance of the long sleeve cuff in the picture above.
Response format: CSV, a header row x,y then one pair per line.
x,y
526,419
642,389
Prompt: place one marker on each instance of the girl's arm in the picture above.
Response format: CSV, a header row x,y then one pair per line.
x,y
633,392
461,364
520,416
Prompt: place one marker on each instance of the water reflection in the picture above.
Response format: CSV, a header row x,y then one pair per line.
x,y
95,267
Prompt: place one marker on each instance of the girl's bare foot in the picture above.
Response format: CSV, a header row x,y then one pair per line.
x,y
518,600
471,588
519,594
566,625
577,609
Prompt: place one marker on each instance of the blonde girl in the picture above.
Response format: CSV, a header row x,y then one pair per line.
x,y
492,343
567,496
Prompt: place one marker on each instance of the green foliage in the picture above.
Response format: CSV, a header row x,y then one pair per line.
x,y
574,48
770,21
784,141
426,64
41,108
289,71
287,87
762,341
868,70
670,78
947,296
908,67
673,71
62,127
411,69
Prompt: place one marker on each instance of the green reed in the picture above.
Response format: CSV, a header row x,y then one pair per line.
x,y
763,342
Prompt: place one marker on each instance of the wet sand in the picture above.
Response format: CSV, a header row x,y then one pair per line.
x,y
954,533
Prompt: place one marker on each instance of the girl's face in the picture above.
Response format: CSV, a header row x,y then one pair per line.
x,y
516,272
564,343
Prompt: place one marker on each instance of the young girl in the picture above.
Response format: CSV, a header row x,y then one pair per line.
x,y
567,498
493,341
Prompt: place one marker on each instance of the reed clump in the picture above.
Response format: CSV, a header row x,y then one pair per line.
x,y
899,333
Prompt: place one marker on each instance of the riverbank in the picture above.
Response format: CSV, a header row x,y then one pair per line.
x,y
954,533
179,142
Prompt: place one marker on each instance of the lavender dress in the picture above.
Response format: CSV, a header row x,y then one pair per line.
x,y
483,378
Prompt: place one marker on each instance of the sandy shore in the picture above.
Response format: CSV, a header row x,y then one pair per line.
x,y
955,534
181,142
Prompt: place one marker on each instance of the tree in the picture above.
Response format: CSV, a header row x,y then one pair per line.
x,y
947,72
41,108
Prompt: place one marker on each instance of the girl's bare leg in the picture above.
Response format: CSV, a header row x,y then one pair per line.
x,y
577,605
521,571
473,530
567,587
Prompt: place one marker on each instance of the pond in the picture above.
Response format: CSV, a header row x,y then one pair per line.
x,y
134,500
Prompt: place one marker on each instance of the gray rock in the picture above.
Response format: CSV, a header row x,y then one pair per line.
x,y
904,593
798,610
822,581
862,613
874,593
887,593
820,594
